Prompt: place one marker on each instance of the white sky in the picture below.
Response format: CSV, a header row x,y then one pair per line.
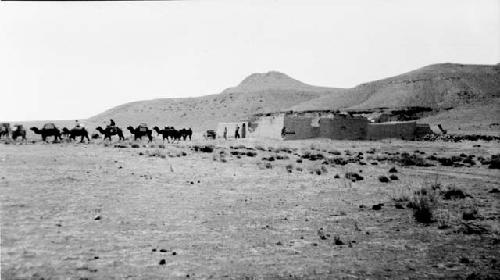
x,y
72,60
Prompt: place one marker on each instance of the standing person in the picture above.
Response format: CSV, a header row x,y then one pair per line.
x,y
225,133
237,132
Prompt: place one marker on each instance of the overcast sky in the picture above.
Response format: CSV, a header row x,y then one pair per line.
x,y
72,60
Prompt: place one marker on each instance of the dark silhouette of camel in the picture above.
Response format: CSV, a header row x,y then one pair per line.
x,y
185,133
47,132
140,132
110,131
169,133
76,132
4,130
19,132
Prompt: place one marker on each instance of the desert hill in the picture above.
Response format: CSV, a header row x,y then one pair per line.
x,y
258,93
438,86
458,94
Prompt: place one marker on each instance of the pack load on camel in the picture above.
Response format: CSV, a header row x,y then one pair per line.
x,y
48,129
143,127
141,131
48,126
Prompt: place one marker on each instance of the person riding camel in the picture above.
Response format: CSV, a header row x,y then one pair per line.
x,y
112,123
79,125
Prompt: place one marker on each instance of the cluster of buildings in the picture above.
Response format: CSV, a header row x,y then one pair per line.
x,y
323,124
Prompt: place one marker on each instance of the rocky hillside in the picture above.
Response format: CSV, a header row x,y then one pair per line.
x,y
258,93
438,86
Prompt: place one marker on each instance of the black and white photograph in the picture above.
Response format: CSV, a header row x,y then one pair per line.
x,y
250,139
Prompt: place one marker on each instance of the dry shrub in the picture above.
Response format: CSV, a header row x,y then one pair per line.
x,y
383,179
424,202
453,192
260,148
470,210
156,153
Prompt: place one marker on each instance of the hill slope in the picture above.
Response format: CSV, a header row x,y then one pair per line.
x,y
258,93
437,86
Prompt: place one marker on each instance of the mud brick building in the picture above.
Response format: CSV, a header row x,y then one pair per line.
x,y
323,124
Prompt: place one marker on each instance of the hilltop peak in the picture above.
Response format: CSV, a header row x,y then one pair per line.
x,y
272,80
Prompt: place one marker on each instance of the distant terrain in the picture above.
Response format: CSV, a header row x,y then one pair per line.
x,y
463,98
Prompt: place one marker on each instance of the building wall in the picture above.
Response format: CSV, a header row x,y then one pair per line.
x,y
266,127
400,130
231,128
343,128
423,129
298,127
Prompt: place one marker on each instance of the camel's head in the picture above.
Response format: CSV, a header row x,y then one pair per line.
x,y
131,128
34,128
156,128
64,129
98,128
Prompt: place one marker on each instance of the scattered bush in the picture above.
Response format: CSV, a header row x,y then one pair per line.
x,y
495,162
412,160
203,149
353,176
260,148
423,203
393,170
453,193
393,177
383,179
335,152
251,154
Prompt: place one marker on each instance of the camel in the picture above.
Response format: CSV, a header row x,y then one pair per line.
x,y
110,131
139,132
47,132
19,132
75,132
4,130
168,133
185,133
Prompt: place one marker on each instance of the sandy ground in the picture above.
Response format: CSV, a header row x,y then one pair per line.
x,y
86,211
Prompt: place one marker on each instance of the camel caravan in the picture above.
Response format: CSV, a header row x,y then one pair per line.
x,y
51,131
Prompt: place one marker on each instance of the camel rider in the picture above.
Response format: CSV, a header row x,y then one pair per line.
x,y
111,125
78,125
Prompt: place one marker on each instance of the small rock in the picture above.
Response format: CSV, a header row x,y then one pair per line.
x,y
279,243
162,262
174,253
98,217
163,250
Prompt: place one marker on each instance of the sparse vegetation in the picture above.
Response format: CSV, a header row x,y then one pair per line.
x,y
424,202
